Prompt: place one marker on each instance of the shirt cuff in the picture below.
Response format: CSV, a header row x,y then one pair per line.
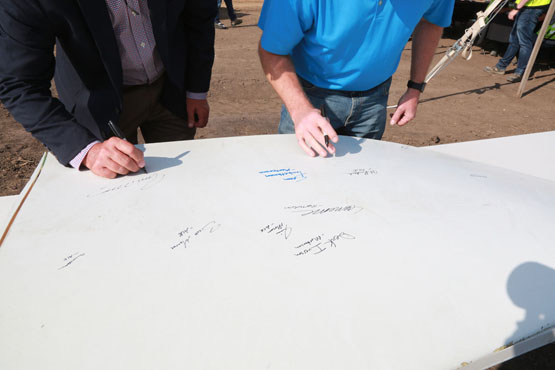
x,y
76,161
197,96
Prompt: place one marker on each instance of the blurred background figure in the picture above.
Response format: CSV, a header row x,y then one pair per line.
x,y
523,36
231,14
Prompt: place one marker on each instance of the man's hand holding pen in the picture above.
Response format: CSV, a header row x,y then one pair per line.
x,y
114,157
314,132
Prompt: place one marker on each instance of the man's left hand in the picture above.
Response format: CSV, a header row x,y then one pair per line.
x,y
197,112
406,109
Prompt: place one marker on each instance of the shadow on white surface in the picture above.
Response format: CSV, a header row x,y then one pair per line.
x,y
531,286
155,164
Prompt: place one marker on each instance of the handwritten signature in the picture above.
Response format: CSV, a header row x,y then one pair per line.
x,y
324,210
70,259
319,244
362,172
141,182
287,174
278,229
188,234
302,206
310,242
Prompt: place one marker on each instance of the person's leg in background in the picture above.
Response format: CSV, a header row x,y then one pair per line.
x,y
527,38
510,53
231,13
217,22
512,49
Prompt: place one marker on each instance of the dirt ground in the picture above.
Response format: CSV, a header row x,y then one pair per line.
x,y
462,103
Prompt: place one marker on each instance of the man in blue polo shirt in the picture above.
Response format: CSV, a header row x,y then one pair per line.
x,y
341,55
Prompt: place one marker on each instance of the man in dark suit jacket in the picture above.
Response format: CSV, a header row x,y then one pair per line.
x,y
111,57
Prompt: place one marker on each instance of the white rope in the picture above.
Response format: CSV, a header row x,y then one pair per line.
x,y
465,43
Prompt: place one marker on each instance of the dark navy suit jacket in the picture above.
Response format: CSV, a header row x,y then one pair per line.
x,y
87,66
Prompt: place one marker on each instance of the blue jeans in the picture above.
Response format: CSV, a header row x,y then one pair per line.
x,y
351,113
521,39
230,10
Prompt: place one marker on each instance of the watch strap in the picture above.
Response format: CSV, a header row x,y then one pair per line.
x,y
417,86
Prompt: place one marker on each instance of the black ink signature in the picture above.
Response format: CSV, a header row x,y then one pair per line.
x,y
322,246
362,172
211,227
190,233
302,207
70,259
279,229
142,182
310,241
323,210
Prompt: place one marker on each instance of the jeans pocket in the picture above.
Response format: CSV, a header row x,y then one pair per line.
x,y
384,88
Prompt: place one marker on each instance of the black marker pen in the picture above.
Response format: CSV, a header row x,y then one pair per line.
x,y
116,131
326,137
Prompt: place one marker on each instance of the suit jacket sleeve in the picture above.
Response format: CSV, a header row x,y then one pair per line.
x,y
199,34
26,70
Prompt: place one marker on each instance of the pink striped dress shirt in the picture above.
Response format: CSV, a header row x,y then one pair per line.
x,y
140,60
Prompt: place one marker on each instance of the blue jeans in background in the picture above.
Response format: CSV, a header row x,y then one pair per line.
x,y
230,10
521,39
351,113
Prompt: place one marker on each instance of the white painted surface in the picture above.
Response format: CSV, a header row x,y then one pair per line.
x,y
7,206
429,261
532,154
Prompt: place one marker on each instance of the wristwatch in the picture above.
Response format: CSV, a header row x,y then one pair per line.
x,y
417,86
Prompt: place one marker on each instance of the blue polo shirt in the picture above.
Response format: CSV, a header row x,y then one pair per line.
x,y
346,44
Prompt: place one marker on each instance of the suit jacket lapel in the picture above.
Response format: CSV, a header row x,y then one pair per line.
x,y
98,19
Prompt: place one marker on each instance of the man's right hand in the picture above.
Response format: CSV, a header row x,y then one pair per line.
x,y
310,128
114,157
